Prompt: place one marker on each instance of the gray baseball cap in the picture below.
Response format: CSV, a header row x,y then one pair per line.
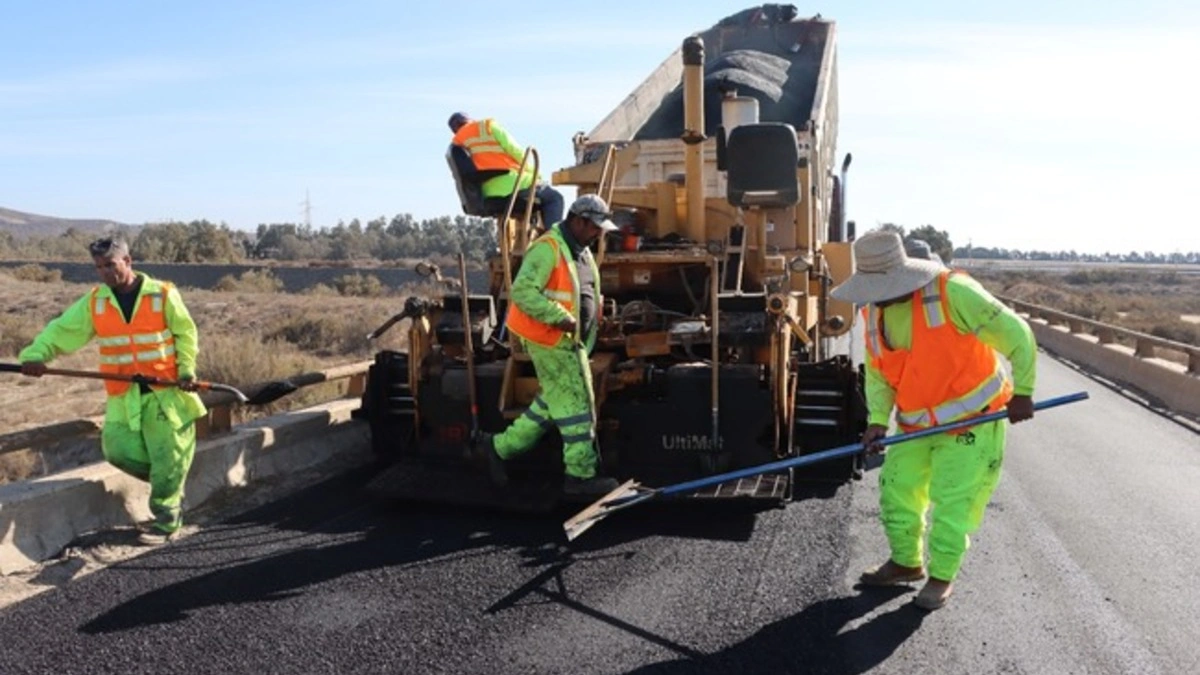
x,y
596,210
918,248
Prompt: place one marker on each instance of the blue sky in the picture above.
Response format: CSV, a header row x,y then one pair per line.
x,y
1031,125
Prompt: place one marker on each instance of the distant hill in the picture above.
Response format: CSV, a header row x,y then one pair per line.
x,y
25,225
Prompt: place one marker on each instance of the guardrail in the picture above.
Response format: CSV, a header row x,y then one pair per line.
x,y
1145,346
1137,365
221,407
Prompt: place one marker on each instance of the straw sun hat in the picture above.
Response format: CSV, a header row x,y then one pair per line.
x,y
883,270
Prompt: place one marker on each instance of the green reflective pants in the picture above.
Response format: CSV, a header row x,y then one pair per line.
x,y
159,452
566,400
957,474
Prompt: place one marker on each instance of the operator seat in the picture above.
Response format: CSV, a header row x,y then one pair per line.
x,y
469,181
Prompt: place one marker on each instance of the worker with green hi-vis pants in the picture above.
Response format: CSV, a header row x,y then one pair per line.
x,y
143,329
555,312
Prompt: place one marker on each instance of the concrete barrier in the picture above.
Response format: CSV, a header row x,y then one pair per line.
x,y
38,518
1167,383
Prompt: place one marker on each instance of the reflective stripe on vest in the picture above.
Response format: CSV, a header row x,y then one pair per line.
x,y
560,288
146,355
144,345
486,152
952,411
957,376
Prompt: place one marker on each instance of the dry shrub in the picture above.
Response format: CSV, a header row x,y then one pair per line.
x,y
16,331
359,285
239,362
234,360
321,290
1177,330
17,466
36,273
324,335
250,281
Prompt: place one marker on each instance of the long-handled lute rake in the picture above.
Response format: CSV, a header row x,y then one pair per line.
x,y
631,493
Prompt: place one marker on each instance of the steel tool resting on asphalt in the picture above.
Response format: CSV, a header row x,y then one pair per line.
x,y
631,493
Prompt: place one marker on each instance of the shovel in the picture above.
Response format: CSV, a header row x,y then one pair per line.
x,y
270,392
631,493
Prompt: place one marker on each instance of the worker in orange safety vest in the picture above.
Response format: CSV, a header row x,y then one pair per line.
x,y
142,328
932,337
497,157
555,311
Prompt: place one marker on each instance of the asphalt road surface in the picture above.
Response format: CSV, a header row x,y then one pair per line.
x,y
1084,564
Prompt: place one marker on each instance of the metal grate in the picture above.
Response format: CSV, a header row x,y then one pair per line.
x,y
767,486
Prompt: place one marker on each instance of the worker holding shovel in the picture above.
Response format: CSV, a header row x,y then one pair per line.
x,y
146,335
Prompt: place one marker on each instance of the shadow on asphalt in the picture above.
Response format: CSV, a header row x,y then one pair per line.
x,y
329,530
816,640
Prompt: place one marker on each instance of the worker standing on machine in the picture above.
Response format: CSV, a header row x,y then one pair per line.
x,y
497,157
143,328
931,342
555,311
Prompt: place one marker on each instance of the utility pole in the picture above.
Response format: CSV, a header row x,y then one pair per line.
x,y
307,211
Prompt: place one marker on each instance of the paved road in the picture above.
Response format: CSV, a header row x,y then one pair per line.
x,y
1083,566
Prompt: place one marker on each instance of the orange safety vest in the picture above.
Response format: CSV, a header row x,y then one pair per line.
x,y
559,288
486,152
143,346
945,376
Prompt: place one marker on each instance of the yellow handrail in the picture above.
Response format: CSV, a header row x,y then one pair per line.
x,y
609,155
502,226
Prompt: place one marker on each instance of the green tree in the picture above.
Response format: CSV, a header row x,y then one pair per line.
x,y
938,240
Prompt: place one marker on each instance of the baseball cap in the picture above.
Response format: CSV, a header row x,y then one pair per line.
x,y
457,120
594,209
918,248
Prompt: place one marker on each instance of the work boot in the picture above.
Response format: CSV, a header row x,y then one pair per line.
x,y
485,446
891,574
151,535
596,486
934,595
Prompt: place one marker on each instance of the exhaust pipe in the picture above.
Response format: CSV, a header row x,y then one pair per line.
x,y
693,136
845,234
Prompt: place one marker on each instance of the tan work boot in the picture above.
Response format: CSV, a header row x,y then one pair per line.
x,y
891,574
934,595
149,535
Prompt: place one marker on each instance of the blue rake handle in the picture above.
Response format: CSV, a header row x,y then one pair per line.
x,y
832,453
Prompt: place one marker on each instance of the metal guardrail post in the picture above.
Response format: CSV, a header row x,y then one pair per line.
x,y
1143,349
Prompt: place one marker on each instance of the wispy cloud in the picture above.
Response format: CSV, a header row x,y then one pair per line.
x,y
102,79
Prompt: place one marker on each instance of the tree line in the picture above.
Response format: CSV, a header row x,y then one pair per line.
x,y
200,241
939,241
405,237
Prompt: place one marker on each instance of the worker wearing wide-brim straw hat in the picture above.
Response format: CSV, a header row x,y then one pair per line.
x,y
932,335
